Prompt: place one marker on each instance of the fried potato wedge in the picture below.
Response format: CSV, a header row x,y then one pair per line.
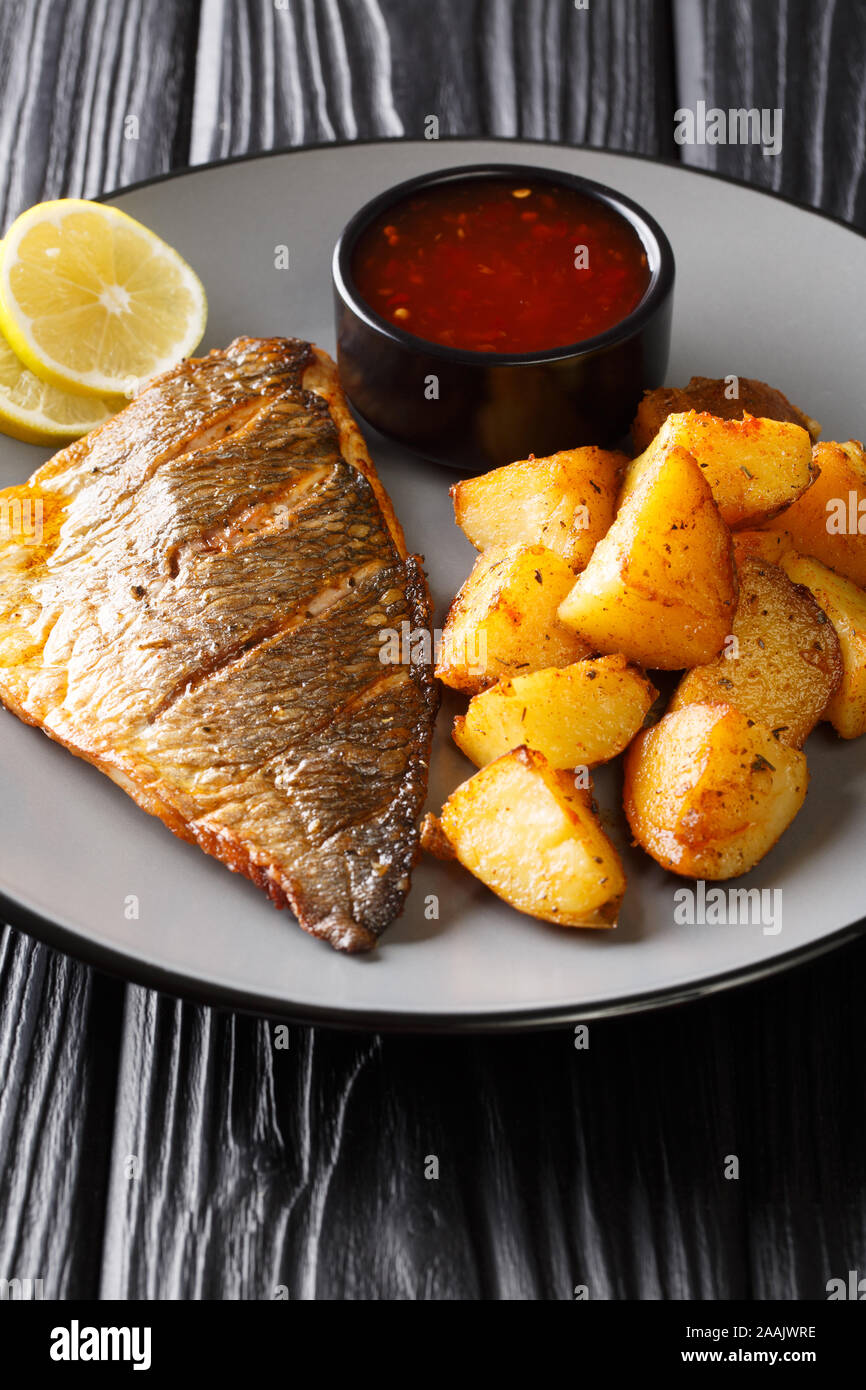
x,y
577,716
566,502
845,606
504,619
784,662
754,467
829,521
660,586
708,791
532,836
770,547
713,395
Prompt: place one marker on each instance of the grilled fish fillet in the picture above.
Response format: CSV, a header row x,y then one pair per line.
x,y
201,618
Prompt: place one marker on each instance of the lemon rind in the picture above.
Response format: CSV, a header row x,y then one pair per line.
x,y
49,370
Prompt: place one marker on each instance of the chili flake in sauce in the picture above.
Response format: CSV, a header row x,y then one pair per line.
x,y
494,265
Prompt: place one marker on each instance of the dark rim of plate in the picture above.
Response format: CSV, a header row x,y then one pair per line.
x,y
135,970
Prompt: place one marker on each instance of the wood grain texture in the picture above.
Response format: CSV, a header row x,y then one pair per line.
x,y
805,57
154,1149
59,1024
304,1169
71,73
313,70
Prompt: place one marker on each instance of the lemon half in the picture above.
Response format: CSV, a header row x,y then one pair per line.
x,y
92,301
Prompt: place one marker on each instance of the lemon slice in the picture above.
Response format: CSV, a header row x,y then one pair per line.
x,y
33,410
94,302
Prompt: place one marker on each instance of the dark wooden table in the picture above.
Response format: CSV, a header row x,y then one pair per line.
x,y
304,1168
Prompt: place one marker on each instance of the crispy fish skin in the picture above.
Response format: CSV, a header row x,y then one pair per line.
x,y
202,619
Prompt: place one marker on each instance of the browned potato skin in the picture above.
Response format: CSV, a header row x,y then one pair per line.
x,y
660,586
708,394
845,606
708,791
842,471
565,502
509,825
789,665
755,467
504,621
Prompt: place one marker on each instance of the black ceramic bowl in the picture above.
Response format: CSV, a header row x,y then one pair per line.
x,y
495,407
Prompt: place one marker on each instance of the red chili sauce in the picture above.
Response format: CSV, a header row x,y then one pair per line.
x,y
501,265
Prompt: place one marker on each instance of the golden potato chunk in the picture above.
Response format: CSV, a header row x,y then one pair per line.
x,y
565,502
782,664
503,621
829,521
770,547
845,606
532,836
754,467
660,586
713,394
708,791
577,716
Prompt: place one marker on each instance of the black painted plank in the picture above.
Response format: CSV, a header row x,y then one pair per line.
x,y
805,58
59,1026
72,75
304,1170
318,70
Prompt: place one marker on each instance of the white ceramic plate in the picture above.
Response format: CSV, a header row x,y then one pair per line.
x,y
765,289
